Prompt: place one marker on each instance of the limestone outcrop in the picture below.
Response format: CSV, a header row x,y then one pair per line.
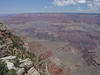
x,y
21,67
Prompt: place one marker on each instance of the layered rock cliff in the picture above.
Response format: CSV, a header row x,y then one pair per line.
x,y
16,57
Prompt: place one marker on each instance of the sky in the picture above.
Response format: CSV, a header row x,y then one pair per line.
x,y
51,6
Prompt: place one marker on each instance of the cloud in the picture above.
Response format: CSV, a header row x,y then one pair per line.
x,y
67,2
63,2
90,6
82,5
75,2
97,2
93,4
80,1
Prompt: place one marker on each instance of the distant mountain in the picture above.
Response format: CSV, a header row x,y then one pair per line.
x,y
63,18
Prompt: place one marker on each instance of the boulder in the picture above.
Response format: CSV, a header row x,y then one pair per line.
x,y
8,58
20,71
32,71
24,65
10,65
27,63
3,27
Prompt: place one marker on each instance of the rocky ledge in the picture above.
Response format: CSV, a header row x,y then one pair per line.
x,y
15,56
20,66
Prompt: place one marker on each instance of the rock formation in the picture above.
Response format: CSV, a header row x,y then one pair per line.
x,y
16,57
20,68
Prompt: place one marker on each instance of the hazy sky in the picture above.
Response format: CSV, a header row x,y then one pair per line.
x,y
33,6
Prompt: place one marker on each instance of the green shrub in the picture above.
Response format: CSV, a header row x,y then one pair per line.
x,y
12,52
12,72
40,73
3,68
16,62
32,55
40,60
0,38
17,42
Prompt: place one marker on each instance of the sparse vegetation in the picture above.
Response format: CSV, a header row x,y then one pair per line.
x,y
0,38
16,47
16,62
17,42
40,73
12,52
3,68
11,72
32,55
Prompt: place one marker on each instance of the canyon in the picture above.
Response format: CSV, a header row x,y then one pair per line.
x,y
69,43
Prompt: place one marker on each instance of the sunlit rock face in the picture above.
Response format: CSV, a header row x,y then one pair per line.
x,y
21,67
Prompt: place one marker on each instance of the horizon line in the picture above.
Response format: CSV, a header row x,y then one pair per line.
x,y
51,13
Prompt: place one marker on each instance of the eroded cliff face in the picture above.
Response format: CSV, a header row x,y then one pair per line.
x,y
3,40
13,46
